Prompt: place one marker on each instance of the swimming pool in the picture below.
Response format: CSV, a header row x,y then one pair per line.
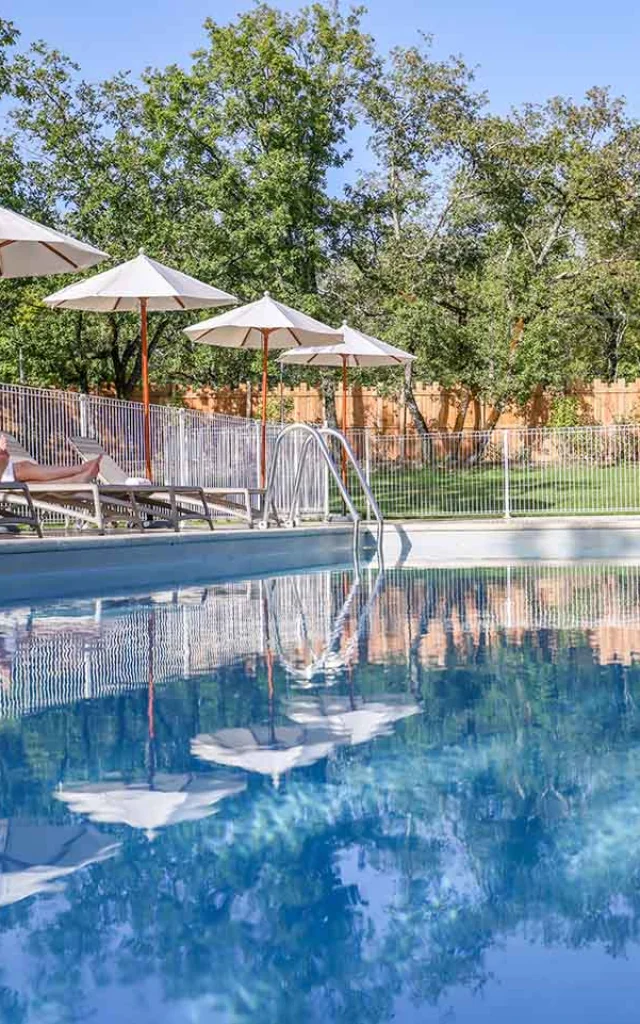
x,y
413,797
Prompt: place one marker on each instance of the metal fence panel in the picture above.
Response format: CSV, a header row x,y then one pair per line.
x,y
188,447
521,471
516,472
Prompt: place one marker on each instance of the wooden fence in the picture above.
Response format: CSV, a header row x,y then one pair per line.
x,y
442,408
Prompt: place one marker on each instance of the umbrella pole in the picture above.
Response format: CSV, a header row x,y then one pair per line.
x,y
265,384
145,386
344,418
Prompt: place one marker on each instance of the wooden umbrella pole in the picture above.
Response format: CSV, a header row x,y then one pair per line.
x,y
145,386
265,384
344,418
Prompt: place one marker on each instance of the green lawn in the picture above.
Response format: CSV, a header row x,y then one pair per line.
x,y
548,490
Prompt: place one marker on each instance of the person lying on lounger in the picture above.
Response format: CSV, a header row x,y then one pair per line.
x,y
26,472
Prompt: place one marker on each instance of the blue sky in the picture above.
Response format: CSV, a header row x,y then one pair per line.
x,y
524,51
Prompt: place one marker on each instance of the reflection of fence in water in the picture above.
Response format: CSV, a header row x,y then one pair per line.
x,y
59,661
431,611
102,648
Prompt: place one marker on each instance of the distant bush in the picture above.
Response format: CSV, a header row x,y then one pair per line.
x,y
568,411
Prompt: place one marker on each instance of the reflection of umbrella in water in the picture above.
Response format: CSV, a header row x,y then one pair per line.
x,y
33,855
267,750
172,800
352,719
164,798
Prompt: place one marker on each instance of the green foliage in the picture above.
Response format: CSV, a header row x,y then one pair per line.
x,y
500,250
566,411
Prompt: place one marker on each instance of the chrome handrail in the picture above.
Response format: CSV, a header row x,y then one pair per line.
x,y
317,435
327,431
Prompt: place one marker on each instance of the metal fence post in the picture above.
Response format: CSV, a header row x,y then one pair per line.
x,y
367,465
182,448
326,483
507,491
258,452
84,416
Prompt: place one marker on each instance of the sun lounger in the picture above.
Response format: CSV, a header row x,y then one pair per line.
x,y
101,504
16,495
219,498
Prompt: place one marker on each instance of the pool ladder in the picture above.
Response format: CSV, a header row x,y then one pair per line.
x,y
315,439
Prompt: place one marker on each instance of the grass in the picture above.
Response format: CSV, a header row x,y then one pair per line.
x,y
480,491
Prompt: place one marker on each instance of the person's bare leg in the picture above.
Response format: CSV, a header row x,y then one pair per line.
x,y
4,454
32,472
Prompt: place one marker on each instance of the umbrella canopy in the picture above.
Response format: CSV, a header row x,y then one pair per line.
x,y
171,800
265,750
33,855
246,327
357,350
140,284
265,324
29,249
354,720
122,288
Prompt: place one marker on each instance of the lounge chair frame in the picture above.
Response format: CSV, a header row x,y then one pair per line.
x,y
216,498
8,517
103,504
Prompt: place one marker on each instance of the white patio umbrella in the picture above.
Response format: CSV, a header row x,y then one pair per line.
x,y
170,800
265,750
33,855
29,249
356,350
265,324
356,720
143,285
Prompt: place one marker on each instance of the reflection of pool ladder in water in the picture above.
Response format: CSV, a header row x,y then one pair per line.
x,y
315,438
330,662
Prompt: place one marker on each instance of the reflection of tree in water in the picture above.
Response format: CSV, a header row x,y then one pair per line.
x,y
511,805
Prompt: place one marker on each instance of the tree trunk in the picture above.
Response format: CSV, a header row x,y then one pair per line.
x,y
328,391
458,427
419,422
485,438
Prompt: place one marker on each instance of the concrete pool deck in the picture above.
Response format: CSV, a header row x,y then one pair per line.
x,y
62,566
508,541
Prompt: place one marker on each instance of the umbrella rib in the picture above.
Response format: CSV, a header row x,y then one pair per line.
x,y
246,338
7,241
117,303
180,302
60,255
295,337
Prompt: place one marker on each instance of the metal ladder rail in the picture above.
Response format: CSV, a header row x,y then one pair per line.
x,y
362,480
317,435
269,500
342,440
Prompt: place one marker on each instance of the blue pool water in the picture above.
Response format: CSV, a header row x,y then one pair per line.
x,y
412,799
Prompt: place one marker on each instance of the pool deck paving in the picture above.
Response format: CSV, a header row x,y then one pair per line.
x,y
507,541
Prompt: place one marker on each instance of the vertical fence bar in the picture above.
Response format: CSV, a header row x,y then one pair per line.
x,y
507,490
258,451
182,447
367,465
